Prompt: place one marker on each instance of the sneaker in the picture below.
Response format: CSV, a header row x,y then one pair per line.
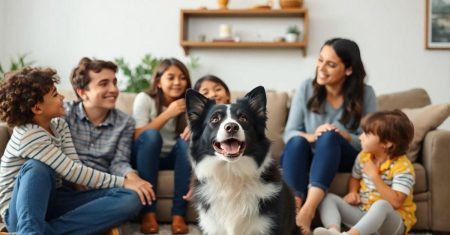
x,y
324,231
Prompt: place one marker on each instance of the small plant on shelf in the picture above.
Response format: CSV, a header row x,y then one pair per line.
x,y
293,29
292,33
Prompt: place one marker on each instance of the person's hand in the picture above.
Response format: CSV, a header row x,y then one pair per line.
x,y
311,138
143,188
189,194
176,107
352,198
186,135
80,187
370,169
325,127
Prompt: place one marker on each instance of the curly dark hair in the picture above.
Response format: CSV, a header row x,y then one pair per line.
x,y
80,75
390,126
21,91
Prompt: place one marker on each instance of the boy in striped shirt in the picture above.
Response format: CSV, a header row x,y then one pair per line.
x,y
40,153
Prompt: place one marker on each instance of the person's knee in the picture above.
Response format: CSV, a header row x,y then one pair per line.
x,y
297,142
150,136
328,137
130,201
382,205
182,144
37,168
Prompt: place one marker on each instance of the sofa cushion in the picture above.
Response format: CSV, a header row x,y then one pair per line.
x,y
414,98
425,119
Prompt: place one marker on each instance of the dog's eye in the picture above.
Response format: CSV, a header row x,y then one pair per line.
x,y
243,118
215,119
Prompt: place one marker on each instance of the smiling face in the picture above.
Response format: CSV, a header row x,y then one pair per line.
x,y
173,84
101,92
52,105
214,91
330,69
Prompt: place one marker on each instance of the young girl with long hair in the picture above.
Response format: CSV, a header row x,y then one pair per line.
x,y
160,119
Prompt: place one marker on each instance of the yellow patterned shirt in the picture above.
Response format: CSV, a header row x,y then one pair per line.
x,y
397,174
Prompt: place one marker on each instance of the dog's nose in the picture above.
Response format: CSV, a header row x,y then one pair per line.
x,y
231,128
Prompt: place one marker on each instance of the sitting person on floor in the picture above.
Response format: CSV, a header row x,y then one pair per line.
x,y
40,154
380,195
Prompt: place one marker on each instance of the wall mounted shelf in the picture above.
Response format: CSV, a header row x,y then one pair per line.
x,y
185,15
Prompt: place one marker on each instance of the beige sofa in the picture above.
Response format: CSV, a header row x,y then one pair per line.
x,y
431,193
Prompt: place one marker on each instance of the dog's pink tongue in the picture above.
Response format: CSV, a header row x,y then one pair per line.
x,y
231,147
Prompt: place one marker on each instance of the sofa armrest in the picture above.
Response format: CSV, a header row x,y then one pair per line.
x,y
436,160
5,133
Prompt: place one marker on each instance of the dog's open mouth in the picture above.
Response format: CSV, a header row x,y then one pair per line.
x,y
229,148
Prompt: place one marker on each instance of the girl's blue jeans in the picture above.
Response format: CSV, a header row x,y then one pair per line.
x,y
38,207
148,161
303,166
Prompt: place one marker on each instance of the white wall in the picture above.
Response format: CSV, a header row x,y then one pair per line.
x,y
2,29
390,34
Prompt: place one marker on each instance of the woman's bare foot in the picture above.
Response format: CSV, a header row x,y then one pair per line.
x,y
303,220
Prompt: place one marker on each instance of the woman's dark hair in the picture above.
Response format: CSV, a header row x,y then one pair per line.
x,y
353,87
80,75
211,78
21,91
156,93
390,126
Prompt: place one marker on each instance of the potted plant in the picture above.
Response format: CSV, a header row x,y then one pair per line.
x,y
292,34
138,79
15,64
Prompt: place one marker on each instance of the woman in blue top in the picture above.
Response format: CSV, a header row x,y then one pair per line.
x,y
322,131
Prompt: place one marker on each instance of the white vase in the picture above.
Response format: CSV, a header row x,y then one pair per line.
x,y
291,37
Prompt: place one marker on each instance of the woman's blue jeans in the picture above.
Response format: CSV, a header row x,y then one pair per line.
x,y
38,207
303,166
148,161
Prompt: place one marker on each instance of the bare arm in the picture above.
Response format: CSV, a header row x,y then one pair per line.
x,y
175,108
352,196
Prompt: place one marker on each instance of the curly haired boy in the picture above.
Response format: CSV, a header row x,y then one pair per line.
x,y
40,154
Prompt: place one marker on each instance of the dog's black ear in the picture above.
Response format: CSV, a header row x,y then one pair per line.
x,y
257,101
196,106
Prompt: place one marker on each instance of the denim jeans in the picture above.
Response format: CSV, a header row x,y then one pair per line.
x,y
148,161
303,166
38,207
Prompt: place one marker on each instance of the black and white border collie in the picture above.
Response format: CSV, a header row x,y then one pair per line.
x,y
238,187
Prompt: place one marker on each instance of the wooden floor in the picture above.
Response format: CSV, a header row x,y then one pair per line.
x,y
133,229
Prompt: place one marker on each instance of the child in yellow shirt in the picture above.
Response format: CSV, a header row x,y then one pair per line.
x,y
380,197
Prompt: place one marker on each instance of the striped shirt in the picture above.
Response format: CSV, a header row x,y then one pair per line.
x,y
31,141
105,147
397,174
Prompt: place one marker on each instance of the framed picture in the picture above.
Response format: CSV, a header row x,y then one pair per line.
x,y
437,26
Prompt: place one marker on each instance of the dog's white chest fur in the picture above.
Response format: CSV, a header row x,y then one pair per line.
x,y
233,191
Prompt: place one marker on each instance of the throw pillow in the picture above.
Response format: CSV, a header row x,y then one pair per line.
x,y
424,120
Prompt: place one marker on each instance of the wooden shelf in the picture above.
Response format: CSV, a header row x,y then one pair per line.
x,y
240,13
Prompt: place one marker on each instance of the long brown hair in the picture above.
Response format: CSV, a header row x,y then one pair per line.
x,y
352,89
156,93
